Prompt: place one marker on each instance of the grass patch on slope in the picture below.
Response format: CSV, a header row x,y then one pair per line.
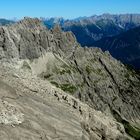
x,y
131,130
65,87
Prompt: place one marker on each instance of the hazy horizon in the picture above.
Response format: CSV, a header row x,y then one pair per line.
x,y
67,9
16,19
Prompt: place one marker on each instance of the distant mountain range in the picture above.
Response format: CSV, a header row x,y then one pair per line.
x,y
109,32
90,29
6,22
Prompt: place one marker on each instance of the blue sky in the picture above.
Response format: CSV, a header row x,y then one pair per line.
x,y
65,8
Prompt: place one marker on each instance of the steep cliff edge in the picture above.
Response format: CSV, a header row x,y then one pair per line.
x,y
54,77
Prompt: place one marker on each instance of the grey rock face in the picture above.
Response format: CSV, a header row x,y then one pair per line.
x,y
34,109
30,39
97,79
44,60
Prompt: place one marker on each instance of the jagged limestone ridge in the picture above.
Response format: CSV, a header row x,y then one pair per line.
x,y
92,76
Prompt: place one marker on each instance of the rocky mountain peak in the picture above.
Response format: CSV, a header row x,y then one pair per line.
x,y
29,38
57,28
29,24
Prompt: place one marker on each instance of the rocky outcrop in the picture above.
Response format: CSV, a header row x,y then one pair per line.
x,y
57,86
98,80
30,39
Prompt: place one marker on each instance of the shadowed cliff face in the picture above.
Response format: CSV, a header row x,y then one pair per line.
x,y
41,65
124,47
